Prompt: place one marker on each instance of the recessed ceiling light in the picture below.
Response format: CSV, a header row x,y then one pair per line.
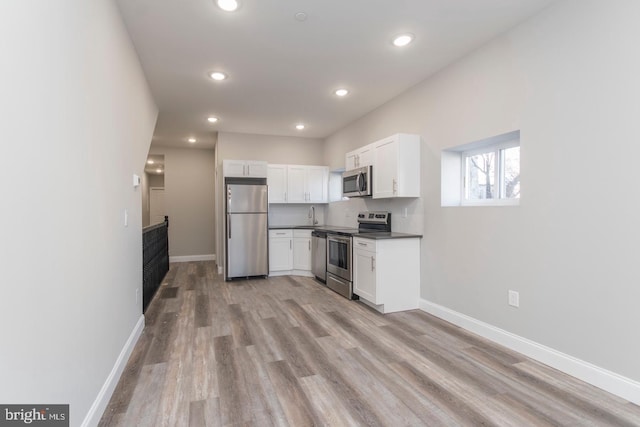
x,y
149,162
300,16
341,92
192,140
212,119
218,76
159,170
299,126
402,40
227,5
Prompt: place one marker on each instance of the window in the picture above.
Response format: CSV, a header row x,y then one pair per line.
x,y
491,173
482,173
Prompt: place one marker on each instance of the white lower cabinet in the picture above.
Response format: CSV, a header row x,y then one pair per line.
x,y
280,250
365,272
290,252
386,273
302,250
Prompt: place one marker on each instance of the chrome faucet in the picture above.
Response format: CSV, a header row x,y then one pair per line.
x,y
312,215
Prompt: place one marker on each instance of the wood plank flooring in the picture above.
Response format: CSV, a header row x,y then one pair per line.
x,y
288,351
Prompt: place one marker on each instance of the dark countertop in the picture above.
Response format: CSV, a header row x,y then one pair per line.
x,y
347,231
291,227
384,236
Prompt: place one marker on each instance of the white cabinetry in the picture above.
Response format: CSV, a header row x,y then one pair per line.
x,y
386,273
302,250
277,182
359,158
280,250
364,258
244,168
298,184
317,184
296,187
396,170
290,252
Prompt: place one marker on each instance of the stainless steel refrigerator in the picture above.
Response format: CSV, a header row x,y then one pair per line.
x,y
246,228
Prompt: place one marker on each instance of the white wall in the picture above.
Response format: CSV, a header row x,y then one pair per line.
x,y
189,192
77,122
568,79
273,149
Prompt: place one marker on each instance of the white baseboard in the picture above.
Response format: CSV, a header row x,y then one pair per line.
x,y
609,381
190,258
102,400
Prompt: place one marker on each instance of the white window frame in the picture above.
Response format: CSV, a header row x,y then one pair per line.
x,y
498,150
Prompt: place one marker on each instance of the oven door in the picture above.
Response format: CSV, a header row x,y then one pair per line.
x,y
339,256
357,182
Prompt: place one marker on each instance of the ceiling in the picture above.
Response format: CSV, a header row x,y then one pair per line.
x,y
282,71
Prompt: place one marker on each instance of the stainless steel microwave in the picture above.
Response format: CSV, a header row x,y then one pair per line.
x,y
357,182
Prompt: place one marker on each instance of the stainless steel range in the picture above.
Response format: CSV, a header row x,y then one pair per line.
x,y
340,253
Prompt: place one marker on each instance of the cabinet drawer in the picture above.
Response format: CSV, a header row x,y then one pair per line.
x,y
366,244
302,233
280,233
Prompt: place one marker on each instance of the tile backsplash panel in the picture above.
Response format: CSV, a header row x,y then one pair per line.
x,y
293,214
344,213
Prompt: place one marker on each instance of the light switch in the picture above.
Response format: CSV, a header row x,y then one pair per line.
x,y
136,180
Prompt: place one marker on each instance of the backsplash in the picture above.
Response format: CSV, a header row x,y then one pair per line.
x,y
291,214
344,213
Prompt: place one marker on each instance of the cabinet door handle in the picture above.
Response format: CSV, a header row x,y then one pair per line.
x,y
290,244
362,244
309,244
373,263
249,170
244,168
229,225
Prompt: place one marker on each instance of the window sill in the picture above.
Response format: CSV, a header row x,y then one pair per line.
x,y
487,203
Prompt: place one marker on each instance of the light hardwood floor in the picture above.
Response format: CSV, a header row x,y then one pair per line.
x,y
288,351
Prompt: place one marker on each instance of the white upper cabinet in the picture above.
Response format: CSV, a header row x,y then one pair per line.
x,y
317,183
296,188
277,182
359,158
298,184
244,168
396,171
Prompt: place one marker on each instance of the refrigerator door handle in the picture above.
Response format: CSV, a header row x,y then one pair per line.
x,y
229,225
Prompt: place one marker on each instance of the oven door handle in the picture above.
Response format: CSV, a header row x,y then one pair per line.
x,y
346,240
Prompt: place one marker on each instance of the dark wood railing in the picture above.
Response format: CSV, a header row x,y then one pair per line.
x,y
155,259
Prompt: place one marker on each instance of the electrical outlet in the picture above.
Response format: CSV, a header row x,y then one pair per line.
x,y
514,299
